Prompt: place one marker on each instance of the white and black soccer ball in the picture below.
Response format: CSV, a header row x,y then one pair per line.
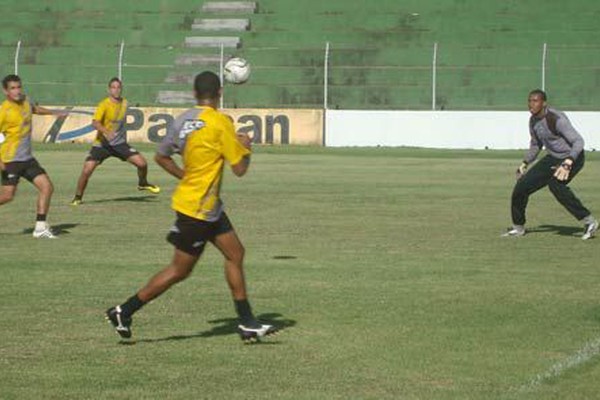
x,y
236,70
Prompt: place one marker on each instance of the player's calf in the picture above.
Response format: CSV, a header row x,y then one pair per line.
x,y
7,194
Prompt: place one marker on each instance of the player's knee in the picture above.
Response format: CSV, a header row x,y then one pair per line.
x,y
47,189
518,193
138,161
238,256
87,172
6,198
556,186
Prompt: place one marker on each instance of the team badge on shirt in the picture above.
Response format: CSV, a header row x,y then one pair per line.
x,y
189,126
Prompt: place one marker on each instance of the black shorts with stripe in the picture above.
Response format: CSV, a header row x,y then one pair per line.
x,y
13,171
190,234
121,151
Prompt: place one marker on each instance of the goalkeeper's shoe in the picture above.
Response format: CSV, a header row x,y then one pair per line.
x,y
590,230
122,324
76,202
514,232
149,187
251,333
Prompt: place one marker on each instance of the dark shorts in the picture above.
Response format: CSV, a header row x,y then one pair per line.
x,y
190,234
121,151
13,171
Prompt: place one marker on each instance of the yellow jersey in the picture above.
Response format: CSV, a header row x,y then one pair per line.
x,y
205,138
112,116
15,125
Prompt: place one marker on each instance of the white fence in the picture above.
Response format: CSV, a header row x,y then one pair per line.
x,y
444,129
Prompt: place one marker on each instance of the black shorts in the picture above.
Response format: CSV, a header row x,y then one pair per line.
x,y
190,234
122,151
17,169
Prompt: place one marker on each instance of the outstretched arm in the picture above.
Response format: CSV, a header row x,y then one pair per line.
x,y
39,110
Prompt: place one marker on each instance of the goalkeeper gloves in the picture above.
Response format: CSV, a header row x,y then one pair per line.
x,y
563,170
521,170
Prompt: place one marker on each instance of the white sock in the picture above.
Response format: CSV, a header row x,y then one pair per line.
x,y
41,226
589,219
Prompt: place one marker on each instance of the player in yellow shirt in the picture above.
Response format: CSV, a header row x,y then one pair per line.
x,y
16,159
111,141
206,139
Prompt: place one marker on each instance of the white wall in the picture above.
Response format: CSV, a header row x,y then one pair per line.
x,y
445,129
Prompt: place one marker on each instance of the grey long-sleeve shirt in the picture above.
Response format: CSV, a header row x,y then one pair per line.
x,y
564,142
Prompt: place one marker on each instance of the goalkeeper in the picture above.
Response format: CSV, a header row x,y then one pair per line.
x,y
551,129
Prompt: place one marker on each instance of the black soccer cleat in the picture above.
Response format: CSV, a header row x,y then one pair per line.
x,y
252,333
121,323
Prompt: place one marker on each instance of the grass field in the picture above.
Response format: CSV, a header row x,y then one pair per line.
x,y
384,267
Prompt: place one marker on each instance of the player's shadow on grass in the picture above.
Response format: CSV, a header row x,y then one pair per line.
x,y
60,229
227,326
558,230
132,199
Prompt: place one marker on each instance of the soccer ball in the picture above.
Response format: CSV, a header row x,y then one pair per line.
x,y
237,70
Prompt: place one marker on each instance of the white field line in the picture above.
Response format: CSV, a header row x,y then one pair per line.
x,y
590,350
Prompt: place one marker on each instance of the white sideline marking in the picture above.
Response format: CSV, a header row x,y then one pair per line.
x,y
583,355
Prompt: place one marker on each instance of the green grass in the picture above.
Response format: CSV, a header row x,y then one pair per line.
x,y
398,286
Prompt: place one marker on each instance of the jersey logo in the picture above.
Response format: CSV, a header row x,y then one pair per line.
x,y
189,126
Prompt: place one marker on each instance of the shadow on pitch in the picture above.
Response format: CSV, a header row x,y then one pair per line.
x,y
60,229
132,199
224,327
558,230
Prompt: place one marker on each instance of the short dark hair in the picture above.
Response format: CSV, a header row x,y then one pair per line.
x,y
539,92
115,79
207,85
10,78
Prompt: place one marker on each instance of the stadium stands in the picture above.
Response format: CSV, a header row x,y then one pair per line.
x,y
489,55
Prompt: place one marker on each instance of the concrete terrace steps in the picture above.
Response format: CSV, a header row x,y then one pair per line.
x,y
174,97
237,7
198,59
229,24
228,42
180,78
209,43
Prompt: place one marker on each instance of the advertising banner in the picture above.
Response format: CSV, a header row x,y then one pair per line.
x,y
149,125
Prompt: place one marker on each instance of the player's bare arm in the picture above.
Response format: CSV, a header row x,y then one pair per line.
x,y
241,168
168,164
45,111
108,134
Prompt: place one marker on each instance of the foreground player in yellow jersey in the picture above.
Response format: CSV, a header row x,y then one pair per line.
x,y
16,159
111,141
206,139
